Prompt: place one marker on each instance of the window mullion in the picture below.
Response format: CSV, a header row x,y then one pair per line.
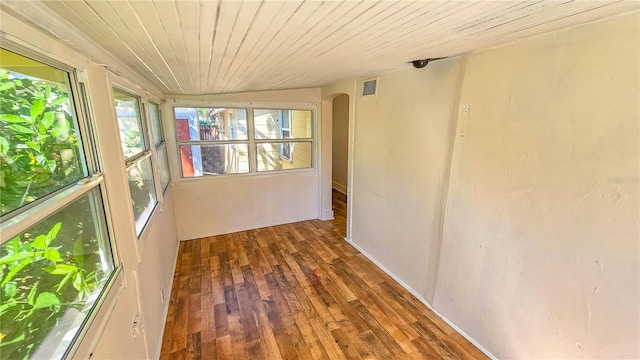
x,y
20,223
253,152
135,161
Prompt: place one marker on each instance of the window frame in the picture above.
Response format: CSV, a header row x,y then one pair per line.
x,y
284,140
201,143
282,128
160,189
17,222
251,141
148,151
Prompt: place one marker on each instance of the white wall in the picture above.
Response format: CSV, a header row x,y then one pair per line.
x,y
340,142
528,241
222,205
540,253
403,138
214,205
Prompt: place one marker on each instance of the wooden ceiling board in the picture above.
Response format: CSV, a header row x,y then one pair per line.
x,y
286,14
189,18
86,20
110,23
223,31
139,37
171,25
222,46
245,19
296,59
147,14
209,15
298,24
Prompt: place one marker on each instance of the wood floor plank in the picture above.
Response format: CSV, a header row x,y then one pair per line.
x,y
297,291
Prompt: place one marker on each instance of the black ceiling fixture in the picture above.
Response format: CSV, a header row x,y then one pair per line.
x,y
419,64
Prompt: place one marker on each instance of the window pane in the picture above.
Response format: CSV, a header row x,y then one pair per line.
x,y
282,124
282,156
198,160
40,149
210,124
52,275
129,121
156,124
163,167
143,193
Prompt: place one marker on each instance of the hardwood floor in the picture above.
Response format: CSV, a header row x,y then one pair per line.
x,y
297,291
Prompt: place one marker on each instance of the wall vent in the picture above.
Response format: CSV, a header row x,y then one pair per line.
x,y
370,87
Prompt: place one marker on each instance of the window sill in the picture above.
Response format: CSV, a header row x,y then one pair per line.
x,y
246,175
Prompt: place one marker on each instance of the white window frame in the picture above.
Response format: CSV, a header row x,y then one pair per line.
x,y
149,150
18,221
252,141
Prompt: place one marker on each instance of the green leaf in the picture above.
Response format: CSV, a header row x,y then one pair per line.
x,y
48,119
6,306
40,242
32,294
6,86
78,282
21,129
33,145
78,252
64,281
59,100
9,259
60,269
52,254
37,107
16,269
46,299
50,165
53,233
10,289
4,146
12,118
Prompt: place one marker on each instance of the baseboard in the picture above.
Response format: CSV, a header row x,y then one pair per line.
x,y
326,215
339,187
422,300
167,297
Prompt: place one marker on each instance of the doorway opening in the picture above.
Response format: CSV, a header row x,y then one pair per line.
x,y
339,158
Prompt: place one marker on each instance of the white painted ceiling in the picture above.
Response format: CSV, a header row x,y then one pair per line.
x,y
209,46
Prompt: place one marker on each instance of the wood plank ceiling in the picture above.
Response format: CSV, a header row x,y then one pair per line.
x,y
210,46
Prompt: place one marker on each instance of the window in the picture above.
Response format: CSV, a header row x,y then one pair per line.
x,y
55,252
138,157
161,151
214,141
275,148
285,133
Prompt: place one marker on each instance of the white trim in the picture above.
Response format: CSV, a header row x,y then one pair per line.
x,y
167,300
339,187
25,220
422,300
327,215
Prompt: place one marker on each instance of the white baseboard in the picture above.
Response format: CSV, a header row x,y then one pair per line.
x,y
339,187
422,300
326,215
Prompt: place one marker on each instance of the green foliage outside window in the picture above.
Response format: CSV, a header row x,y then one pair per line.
x,y
50,273
39,150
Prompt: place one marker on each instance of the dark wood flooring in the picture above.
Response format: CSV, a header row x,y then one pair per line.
x,y
297,291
